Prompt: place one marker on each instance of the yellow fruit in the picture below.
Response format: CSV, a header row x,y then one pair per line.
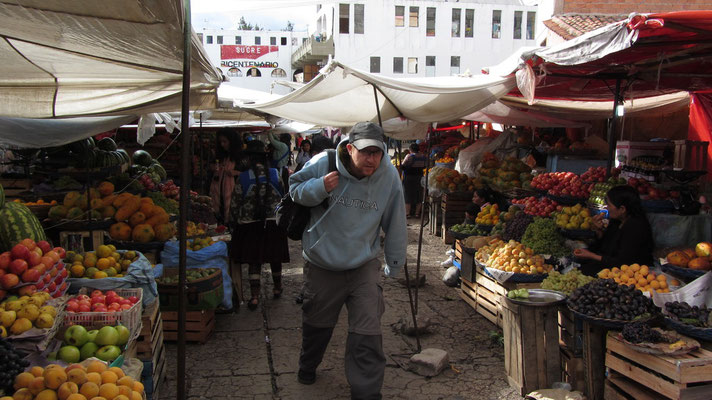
x,y
89,390
121,397
96,366
23,380
54,377
46,394
66,389
108,390
118,371
103,263
36,370
136,396
14,305
37,300
94,377
21,325
7,318
30,312
90,260
100,275
138,387
23,394
76,396
77,376
109,377
36,385
49,310
103,251
44,321
125,390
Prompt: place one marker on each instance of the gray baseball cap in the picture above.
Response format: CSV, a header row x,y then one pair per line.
x,y
365,134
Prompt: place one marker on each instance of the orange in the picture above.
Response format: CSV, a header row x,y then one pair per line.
x,y
644,270
103,263
118,371
76,396
136,396
77,375
100,275
636,268
109,377
66,389
22,394
655,285
77,270
89,390
122,397
138,387
662,278
642,282
126,381
37,385
23,380
54,377
36,371
94,377
674,282
47,394
108,390
125,390
663,284
650,278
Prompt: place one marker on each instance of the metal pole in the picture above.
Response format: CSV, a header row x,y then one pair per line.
x,y
612,130
200,152
378,108
185,163
479,124
422,220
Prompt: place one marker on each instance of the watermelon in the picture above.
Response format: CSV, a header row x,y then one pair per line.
x,y
158,169
141,157
17,222
107,144
2,197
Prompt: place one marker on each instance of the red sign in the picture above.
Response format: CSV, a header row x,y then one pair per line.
x,y
231,52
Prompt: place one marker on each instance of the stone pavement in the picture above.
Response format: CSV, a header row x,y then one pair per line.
x,y
254,354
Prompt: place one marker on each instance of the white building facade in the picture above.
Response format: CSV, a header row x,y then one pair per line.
x,y
410,38
253,59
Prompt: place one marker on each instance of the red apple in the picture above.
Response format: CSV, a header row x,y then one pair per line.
x,y
34,259
18,266
84,308
96,292
53,255
5,260
37,251
63,273
29,243
59,279
60,251
133,299
60,266
3,293
110,293
126,306
52,287
53,272
99,299
8,281
83,297
98,307
31,275
114,306
63,288
27,290
44,245
48,261
20,251
46,278
40,285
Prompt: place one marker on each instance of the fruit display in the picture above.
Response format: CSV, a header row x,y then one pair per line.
x,y
199,243
515,227
594,174
88,153
539,207
489,215
32,266
191,275
12,365
543,237
76,382
20,314
639,332
518,294
39,202
604,298
170,190
576,217
690,315
600,190
476,242
145,165
566,283
17,222
105,343
140,220
513,256
105,262
699,258
448,180
562,184
445,160
99,301
509,173
159,199
201,210
468,229
638,276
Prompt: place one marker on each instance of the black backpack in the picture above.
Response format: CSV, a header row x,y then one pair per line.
x,y
294,217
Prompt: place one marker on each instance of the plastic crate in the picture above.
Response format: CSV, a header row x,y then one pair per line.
x,y
130,318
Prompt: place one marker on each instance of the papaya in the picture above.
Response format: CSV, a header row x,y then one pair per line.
x,y
70,198
137,218
165,231
143,233
106,188
120,231
96,204
146,200
58,212
158,219
75,213
121,199
82,202
109,200
108,212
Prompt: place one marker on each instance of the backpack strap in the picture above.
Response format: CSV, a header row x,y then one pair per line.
x,y
331,154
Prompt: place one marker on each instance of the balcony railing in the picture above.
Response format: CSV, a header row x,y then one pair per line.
x,y
315,48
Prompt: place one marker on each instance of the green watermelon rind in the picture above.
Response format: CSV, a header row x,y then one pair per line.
x,y
17,222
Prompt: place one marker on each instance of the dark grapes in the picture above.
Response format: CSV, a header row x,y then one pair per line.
x,y
604,298
515,228
691,315
639,332
11,364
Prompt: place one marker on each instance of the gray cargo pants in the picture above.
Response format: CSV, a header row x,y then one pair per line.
x,y
325,294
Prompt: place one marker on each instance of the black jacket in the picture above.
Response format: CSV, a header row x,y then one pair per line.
x,y
627,244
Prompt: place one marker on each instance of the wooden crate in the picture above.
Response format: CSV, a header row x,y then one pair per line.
x,y
15,187
532,358
466,260
436,215
154,371
570,331
572,370
681,377
151,336
198,325
691,155
81,241
594,352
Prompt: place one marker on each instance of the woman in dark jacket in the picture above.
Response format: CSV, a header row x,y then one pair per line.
x,y
628,239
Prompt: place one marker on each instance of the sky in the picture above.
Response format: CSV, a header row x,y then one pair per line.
x,y
268,14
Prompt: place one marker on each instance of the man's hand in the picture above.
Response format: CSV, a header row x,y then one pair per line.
x,y
331,181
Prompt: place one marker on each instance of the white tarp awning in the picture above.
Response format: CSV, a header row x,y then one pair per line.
x,y
91,58
341,96
500,113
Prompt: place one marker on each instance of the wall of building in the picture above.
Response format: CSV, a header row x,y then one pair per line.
x,y
235,60
628,6
382,38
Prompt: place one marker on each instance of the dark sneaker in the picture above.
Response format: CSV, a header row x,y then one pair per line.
x,y
306,378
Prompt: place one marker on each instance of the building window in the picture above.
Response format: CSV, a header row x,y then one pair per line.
x,y
272,41
413,16
283,41
304,40
234,72
220,40
496,24
412,65
517,25
429,65
258,40
209,39
454,65
455,32
318,7
295,41
253,72
238,39
375,65
344,18
400,15
531,21
469,22
430,21
358,18
279,73
397,65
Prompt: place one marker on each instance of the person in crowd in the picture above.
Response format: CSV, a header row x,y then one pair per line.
x,y
258,239
304,154
341,246
280,154
627,239
225,171
480,198
412,167
320,143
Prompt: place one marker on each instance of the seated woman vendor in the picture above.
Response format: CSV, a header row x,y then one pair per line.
x,y
628,239
480,199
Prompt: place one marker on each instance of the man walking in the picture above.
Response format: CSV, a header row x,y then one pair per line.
x,y
341,246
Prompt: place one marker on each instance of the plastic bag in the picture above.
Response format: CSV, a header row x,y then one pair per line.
x,y
213,256
696,293
139,275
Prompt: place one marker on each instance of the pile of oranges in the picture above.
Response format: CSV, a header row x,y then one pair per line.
x,y
76,382
639,276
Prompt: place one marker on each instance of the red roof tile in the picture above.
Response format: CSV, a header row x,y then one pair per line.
x,y
569,26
